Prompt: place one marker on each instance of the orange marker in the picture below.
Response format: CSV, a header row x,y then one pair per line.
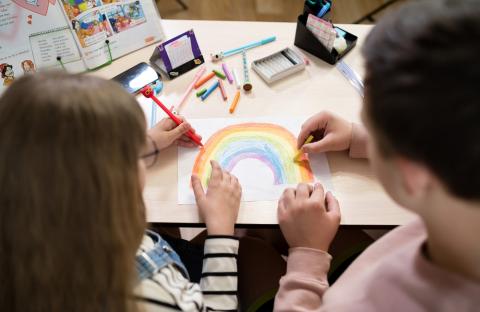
x,y
235,101
204,79
222,89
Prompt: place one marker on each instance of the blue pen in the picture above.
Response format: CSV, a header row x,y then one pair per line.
x,y
221,55
209,90
324,10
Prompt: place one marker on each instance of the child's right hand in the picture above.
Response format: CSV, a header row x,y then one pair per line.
x,y
219,206
308,217
337,133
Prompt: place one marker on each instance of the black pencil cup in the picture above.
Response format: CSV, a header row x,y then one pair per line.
x,y
307,41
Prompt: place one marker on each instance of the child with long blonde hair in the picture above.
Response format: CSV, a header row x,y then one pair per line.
x,y
73,152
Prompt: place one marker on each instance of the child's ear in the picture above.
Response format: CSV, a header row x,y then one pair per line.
x,y
416,178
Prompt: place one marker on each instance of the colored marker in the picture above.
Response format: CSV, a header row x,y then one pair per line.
x,y
199,93
218,74
300,152
209,90
324,10
148,93
190,88
247,86
222,90
204,79
227,73
221,55
235,102
235,77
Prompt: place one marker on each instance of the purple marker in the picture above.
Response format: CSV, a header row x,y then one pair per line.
x,y
227,73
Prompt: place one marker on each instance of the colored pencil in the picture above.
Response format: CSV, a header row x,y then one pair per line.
x,y
222,90
204,79
235,102
218,74
227,73
190,88
210,90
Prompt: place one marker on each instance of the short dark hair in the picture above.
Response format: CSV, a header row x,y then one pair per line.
x,y
422,89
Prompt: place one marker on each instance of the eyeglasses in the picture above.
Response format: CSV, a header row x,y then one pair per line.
x,y
151,157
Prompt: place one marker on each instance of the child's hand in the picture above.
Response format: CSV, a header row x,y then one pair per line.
x,y
166,132
307,217
337,133
219,206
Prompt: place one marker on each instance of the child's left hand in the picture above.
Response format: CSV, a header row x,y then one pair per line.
x,y
166,132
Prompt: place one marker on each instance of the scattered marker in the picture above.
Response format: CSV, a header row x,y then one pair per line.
x,y
235,102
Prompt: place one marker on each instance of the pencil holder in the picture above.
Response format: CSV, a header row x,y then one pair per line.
x,y
306,40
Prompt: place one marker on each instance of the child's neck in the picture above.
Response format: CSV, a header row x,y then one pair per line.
x,y
453,242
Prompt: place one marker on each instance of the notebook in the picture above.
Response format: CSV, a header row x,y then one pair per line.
x,y
77,35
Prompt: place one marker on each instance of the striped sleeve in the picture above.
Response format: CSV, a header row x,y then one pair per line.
x,y
219,273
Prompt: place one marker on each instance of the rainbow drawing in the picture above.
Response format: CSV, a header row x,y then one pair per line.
x,y
271,144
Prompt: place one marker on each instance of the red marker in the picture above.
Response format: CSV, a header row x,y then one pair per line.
x,y
148,93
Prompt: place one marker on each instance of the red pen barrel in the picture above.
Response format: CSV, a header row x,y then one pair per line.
x,y
195,138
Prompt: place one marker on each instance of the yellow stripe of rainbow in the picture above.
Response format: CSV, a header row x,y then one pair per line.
x,y
271,144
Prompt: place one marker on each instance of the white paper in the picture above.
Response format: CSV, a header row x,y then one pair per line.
x,y
256,178
179,51
47,46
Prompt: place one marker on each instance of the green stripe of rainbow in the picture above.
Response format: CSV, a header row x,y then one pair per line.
x,y
271,144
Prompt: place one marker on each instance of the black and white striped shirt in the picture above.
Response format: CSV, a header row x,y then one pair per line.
x,y
169,290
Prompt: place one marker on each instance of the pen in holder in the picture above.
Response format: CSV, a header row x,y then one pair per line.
x,y
319,8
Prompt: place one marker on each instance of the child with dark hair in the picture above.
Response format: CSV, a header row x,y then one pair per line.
x,y
422,137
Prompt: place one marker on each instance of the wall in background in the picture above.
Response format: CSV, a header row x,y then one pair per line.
x,y
344,11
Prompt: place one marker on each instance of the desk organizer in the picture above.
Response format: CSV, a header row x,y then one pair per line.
x,y
307,41
278,65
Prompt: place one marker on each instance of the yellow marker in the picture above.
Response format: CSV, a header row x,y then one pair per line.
x,y
300,153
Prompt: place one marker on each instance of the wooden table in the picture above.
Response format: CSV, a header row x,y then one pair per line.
x,y
319,87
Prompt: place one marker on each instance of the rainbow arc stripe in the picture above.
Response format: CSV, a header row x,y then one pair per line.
x,y
271,144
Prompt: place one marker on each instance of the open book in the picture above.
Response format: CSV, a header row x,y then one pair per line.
x,y
77,35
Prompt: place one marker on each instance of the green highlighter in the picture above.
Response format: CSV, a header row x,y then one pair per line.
x,y
219,74
201,92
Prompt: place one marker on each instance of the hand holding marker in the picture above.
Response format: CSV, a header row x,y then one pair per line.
x,y
300,152
148,93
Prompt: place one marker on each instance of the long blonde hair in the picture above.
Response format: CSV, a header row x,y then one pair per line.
x,y
71,209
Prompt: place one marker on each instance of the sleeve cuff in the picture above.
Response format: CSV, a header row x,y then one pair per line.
x,y
222,236
358,142
221,244
308,261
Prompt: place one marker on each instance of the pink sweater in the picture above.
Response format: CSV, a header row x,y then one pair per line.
x,y
393,274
